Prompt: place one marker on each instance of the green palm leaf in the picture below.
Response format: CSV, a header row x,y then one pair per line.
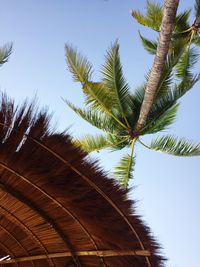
x,y
138,95
98,119
124,170
197,8
137,98
164,86
160,122
98,97
115,82
118,142
182,21
153,16
172,145
184,86
163,111
5,52
150,46
187,61
90,143
167,76
196,41
78,65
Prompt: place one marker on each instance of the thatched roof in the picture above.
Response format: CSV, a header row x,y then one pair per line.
x,y
58,209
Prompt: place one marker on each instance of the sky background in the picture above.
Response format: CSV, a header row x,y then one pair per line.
x,y
166,187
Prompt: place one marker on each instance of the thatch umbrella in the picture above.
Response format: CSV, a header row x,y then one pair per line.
x,y
56,207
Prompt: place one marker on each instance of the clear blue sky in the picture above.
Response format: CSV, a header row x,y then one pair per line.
x,y
167,187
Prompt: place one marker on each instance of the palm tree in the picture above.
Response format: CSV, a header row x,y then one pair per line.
x,y
113,108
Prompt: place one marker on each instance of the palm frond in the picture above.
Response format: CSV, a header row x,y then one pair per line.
x,y
78,65
141,19
196,41
91,143
174,146
166,80
117,142
113,78
5,52
138,94
184,86
197,8
99,97
167,76
137,98
182,21
165,108
124,169
98,119
153,16
159,122
185,36
150,46
187,61
155,13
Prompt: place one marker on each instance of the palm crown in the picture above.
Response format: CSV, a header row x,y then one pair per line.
x,y
182,29
113,108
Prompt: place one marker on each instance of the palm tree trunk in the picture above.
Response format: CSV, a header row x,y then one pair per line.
x,y
169,15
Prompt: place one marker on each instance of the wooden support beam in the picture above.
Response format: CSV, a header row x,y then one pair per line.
x,y
99,253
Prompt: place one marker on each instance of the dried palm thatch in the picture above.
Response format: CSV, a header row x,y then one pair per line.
x,y
56,207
